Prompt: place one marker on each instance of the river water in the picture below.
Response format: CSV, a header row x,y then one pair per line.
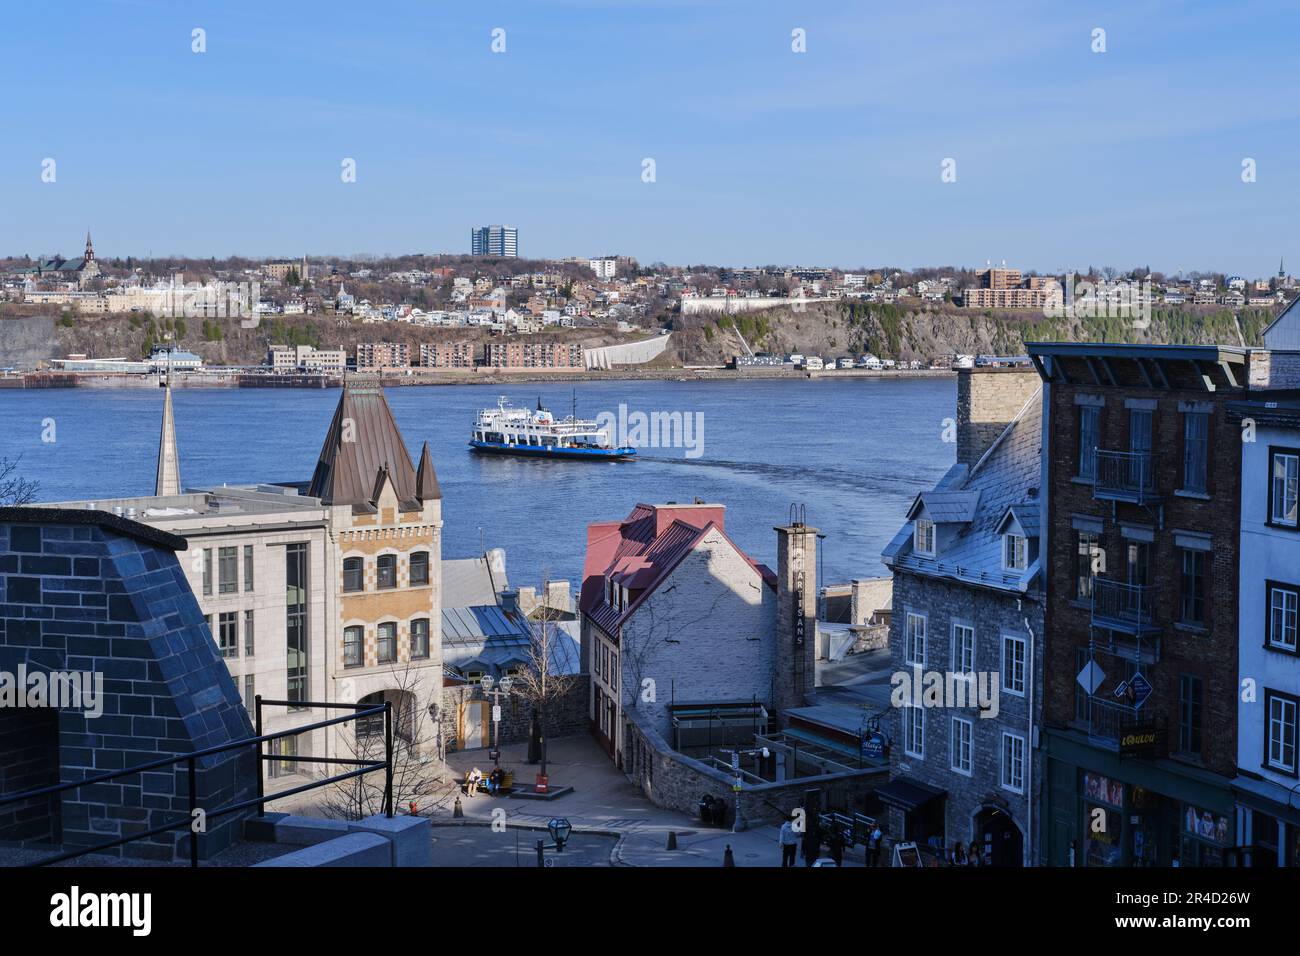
x,y
854,452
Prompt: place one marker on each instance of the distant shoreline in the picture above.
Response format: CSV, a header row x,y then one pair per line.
x,y
442,377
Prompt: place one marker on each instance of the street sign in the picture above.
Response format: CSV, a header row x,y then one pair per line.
x,y
496,713
1091,677
1141,689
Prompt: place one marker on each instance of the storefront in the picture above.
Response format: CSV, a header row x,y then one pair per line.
x,y
1268,830
1103,810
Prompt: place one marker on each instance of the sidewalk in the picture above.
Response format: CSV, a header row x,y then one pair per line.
x,y
603,799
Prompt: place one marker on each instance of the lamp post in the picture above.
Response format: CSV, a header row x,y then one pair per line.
x,y
559,828
739,824
496,689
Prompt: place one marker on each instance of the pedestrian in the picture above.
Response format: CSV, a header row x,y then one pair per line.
x,y
471,782
958,854
836,843
873,845
789,841
812,842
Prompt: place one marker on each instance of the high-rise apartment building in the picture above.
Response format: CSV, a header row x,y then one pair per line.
x,y
499,241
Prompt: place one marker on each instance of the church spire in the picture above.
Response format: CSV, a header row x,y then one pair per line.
x,y
169,465
90,249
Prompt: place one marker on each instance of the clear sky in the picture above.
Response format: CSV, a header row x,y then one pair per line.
x,y
1064,157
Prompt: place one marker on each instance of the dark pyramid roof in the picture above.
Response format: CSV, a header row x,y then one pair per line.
x,y
346,470
426,480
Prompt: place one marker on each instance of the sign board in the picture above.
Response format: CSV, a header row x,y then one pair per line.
x,y
1091,677
799,619
496,713
906,854
542,785
1140,689
873,745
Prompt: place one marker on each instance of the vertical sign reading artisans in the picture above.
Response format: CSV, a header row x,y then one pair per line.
x,y
798,609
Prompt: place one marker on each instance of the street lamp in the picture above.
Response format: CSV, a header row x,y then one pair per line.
x,y
739,824
496,689
559,828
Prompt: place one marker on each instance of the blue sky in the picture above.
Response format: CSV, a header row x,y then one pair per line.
x,y
1064,157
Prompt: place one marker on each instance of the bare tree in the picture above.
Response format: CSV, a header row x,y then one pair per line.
x,y
538,683
418,773
14,489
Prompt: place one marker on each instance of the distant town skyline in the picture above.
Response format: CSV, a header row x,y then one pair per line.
x,y
1062,155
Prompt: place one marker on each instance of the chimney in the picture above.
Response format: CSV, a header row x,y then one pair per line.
x,y
796,615
559,597
987,400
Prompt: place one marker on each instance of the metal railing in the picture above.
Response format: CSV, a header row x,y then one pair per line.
x,y
1125,476
1112,722
1116,604
190,760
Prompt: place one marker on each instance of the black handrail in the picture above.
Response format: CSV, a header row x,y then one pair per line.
x,y
364,767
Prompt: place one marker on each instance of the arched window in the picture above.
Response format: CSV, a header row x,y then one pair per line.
x,y
354,574
386,571
386,646
420,638
419,568
353,644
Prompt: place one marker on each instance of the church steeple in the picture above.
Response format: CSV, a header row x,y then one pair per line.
x,y
90,249
169,466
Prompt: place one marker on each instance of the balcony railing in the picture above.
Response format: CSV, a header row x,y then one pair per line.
x,y
1125,476
1123,607
1123,729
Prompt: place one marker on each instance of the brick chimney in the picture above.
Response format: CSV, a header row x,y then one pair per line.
x,y
796,615
987,400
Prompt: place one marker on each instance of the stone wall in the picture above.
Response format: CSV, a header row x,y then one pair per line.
x,y
29,750
987,401
676,782
89,592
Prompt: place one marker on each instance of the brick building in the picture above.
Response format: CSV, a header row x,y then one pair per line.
x,y
447,354
533,355
1142,482
968,604
383,355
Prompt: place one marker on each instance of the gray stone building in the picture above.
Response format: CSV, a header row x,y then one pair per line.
x,y
966,633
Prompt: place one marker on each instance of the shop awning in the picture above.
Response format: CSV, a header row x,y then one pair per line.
x,y
907,795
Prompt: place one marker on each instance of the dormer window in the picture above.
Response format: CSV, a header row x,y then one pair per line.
x,y
923,537
1015,552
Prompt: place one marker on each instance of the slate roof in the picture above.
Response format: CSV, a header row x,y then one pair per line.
x,y
1006,478
492,638
948,507
363,439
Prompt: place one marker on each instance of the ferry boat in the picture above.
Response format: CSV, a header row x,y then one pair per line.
x,y
507,430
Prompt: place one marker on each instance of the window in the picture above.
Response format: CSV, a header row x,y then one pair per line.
x,y
1282,604
474,677
915,646
963,649
1196,451
295,623
353,646
963,745
249,634
1139,432
914,731
419,568
1015,552
924,537
1138,561
1089,562
386,571
1280,748
228,633
1192,587
354,574
1013,763
248,567
207,570
227,570
1189,714
1284,488
1013,664
420,638
250,694
386,646
283,747
1089,438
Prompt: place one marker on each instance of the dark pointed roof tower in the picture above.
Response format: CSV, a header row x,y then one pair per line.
x,y
362,440
426,480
